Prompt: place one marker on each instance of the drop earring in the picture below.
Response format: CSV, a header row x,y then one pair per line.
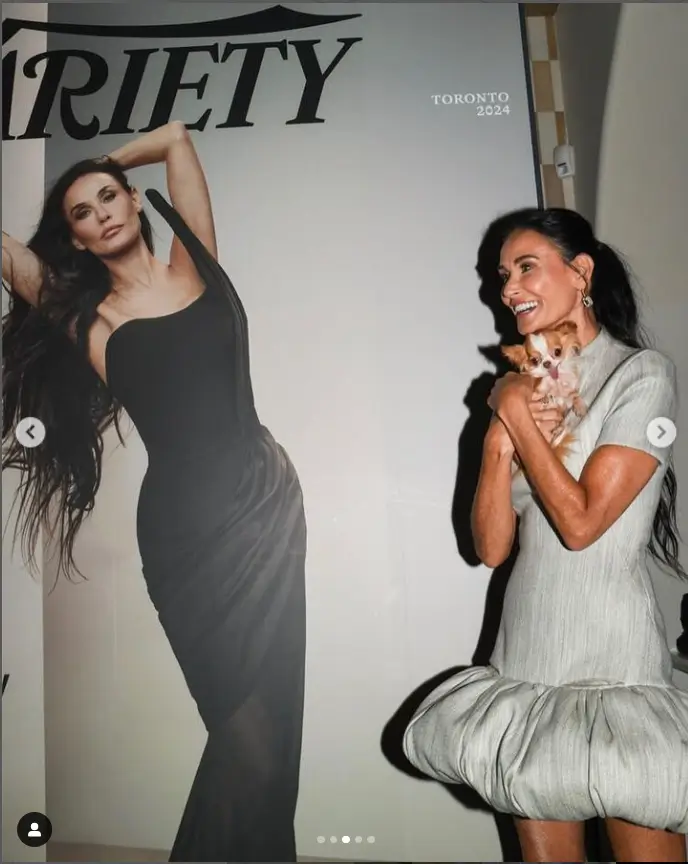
x,y
587,301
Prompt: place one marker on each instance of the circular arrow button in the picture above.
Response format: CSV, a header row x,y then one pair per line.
x,y
661,432
30,432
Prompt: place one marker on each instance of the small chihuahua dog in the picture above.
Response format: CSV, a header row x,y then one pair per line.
x,y
551,357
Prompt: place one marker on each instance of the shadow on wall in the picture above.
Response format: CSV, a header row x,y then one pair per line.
x,y
469,459
587,37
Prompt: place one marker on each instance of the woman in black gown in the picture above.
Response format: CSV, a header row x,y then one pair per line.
x,y
98,324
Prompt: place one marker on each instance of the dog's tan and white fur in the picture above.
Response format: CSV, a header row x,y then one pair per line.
x,y
551,356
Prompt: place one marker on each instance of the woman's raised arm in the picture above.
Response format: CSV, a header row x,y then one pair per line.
x,y
186,182
22,270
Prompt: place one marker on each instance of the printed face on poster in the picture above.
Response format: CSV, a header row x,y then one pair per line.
x,y
354,154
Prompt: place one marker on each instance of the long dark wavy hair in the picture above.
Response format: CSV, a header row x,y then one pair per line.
x,y
47,374
616,309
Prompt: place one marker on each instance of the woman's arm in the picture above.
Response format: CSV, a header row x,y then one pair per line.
x,y
21,269
186,182
619,468
493,519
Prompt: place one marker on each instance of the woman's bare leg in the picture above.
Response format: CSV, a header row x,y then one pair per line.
x,y
551,841
634,843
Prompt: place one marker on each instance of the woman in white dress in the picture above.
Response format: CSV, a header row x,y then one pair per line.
x,y
576,716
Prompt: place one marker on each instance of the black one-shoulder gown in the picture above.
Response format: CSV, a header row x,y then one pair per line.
x,y
222,537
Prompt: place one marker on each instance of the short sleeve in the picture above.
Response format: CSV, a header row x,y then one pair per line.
x,y
645,391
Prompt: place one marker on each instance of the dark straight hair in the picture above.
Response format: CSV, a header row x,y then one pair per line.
x,y
47,374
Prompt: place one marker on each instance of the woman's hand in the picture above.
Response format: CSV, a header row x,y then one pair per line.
x,y
505,392
513,386
548,417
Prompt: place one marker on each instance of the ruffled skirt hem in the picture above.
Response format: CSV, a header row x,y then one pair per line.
x,y
566,753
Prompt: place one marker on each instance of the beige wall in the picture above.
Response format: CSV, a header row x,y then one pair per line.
x,y
586,36
642,203
548,101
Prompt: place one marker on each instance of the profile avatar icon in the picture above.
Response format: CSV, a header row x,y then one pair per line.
x,y
34,829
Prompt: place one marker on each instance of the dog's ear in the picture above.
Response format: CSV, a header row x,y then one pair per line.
x,y
515,354
568,333
568,328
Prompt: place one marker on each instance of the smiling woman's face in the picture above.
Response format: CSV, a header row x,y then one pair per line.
x,y
102,215
540,287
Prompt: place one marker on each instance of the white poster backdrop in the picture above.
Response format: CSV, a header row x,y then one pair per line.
x,y
353,245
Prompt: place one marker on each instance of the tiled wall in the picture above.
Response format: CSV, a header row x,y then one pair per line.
x,y
548,100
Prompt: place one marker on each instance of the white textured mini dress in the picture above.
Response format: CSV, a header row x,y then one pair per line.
x,y
576,715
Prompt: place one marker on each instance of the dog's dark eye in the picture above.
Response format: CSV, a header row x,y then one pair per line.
x,y
557,352
533,361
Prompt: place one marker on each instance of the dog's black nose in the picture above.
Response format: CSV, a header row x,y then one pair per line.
x,y
547,364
